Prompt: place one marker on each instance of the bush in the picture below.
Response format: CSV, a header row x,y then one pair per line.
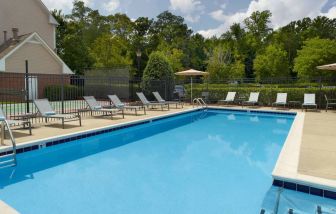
x,y
267,94
158,75
71,92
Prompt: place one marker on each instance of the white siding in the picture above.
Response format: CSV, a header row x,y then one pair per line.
x,y
27,15
40,60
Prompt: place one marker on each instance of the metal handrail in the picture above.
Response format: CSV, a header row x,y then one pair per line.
x,y
199,102
12,140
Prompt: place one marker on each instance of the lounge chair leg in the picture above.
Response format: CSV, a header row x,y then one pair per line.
x,y
144,110
80,120
136,112
123,114
29,126
63,123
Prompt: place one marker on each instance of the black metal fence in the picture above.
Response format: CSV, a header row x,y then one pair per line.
x,y
269,87
65,92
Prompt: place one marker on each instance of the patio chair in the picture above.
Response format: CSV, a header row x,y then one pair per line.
x,y
160,100
309,101
118,104
253,99
25,124
281,100
148,104
329,102
94,106
205,96
230,98
46,111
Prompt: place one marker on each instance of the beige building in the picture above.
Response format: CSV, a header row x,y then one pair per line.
x,y
28,32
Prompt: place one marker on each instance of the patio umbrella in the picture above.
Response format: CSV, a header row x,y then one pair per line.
x,y
327,67
330,67
191,73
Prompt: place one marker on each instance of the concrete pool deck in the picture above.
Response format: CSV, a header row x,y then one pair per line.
x,y
314,159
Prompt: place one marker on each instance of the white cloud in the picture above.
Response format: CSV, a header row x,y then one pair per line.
x,y
331,14
65,5
112,5
283,12
191,9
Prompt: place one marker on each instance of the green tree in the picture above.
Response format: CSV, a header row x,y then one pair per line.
x,y
272,63
315,52
222,65
157,69
173,55
109,50
257,25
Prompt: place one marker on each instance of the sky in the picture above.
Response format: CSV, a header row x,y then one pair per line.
x,y
209,17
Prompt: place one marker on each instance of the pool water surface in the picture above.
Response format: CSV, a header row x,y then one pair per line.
x,y
210,161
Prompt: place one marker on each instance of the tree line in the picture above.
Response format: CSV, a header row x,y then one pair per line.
x,y
252,49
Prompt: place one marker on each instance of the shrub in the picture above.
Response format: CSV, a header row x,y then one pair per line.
x,y
54,92
267,94
157,72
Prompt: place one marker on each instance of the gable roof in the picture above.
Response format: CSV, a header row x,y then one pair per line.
x,y
52,19
9,47
11,44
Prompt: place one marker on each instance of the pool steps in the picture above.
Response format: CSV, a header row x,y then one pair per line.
x,y
291,210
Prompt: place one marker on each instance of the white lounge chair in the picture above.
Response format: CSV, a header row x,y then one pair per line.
x,y
148,104
10,122
118,104
253,99
44,108
160,100
93,105
281,100
230,98
309,101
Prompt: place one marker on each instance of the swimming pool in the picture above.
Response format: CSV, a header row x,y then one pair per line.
x,y
210,161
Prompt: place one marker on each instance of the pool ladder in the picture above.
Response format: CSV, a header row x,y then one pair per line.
x,y
199,102
8,160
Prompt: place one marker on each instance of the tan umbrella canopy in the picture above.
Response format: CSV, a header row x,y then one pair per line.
x,y
331,67
191,73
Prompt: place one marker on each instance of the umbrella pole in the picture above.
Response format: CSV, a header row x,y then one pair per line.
x,y
191,89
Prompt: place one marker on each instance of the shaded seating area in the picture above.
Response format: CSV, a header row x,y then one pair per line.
x,y
46,111
281,100
230,98
120,105
94,106
253,99
149,104
309,101
161,100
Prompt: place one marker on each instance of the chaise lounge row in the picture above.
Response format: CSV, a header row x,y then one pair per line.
x,y
281,100
46,111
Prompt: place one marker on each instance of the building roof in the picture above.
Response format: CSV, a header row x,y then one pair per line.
x,y
9,47
10,44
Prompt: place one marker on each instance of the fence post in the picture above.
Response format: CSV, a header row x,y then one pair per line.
x,y
62,92
320,92
165,84
27,87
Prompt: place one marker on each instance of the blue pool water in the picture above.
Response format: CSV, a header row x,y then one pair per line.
x,y
201,162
